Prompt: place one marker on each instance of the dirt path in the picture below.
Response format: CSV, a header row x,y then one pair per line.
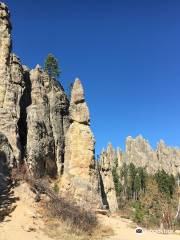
x,y
123,231
24,222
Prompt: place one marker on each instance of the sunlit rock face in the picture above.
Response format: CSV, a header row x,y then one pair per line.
x,y
47,123
80,174
11,85
140,153
168,158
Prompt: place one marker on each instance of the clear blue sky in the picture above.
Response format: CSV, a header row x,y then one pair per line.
x,y
127,54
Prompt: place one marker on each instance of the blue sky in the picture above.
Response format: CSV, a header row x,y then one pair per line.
x,y
126,53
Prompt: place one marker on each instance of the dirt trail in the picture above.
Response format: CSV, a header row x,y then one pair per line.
x,y
24,222
123,231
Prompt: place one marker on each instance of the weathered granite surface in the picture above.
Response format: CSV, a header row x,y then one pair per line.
x,y
11,85
80,174
47,123
107,184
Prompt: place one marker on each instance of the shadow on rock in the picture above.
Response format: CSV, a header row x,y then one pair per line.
x,y
7,198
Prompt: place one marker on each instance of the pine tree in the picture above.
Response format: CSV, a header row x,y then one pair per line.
x,y
51,66
137,186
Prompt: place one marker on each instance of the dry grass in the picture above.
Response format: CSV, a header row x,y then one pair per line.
x,y
59,230
66,220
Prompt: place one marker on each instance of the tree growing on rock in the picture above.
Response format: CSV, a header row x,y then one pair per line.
x,y
51,66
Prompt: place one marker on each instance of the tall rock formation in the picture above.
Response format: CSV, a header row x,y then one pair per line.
x,y
40,141
80,175
107,160
47,123
11,85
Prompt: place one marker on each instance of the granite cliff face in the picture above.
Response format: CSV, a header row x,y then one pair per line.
x,y
47,123
168,158
11,85
34,110
139,152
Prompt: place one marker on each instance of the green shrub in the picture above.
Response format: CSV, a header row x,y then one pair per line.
x,y
139,212
56,188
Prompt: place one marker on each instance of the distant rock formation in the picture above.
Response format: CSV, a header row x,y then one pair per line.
x,y
168,158
80,175
139,152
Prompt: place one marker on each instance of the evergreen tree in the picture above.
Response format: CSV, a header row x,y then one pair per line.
x,y
132,174
124,179
137,186
166,183
51,66
117,184
143,176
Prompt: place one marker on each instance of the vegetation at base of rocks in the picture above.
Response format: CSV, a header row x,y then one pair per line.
x,y
153,199
51,66
64,209
67,220
166,183
56,188
116,179
63,218
63,230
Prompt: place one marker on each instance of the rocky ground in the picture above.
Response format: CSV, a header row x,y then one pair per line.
x,y
24,222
